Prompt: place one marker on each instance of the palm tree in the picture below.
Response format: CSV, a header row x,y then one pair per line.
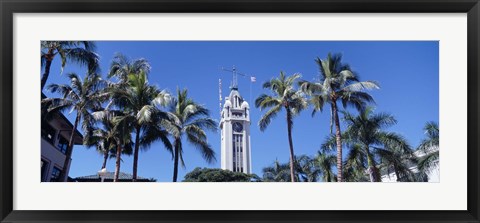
x,y
102,140
355,165
118,127
121,67
189,120
121,134
399,161
139,101
365,132
80,96
284,97
430,147
337,82
105,140
278,172
306,169
80,52
324,163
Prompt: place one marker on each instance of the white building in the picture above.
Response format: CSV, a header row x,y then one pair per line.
x,y
235,130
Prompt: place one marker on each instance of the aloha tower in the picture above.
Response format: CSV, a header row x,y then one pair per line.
x,y
235,131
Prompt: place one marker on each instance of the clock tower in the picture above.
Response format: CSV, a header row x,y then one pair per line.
x,y
235,130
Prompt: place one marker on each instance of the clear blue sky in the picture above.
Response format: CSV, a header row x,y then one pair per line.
x,y
408,73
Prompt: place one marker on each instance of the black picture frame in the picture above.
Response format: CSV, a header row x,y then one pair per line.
x,y
9,7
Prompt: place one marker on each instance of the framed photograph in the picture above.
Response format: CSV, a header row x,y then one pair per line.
x,y
232,111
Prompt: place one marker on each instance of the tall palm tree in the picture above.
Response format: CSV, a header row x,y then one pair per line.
x,y
81,97
102,140
324,163
138,100
284,96
278,172
337,82
189,120
81,52
430,147
365,131
122,130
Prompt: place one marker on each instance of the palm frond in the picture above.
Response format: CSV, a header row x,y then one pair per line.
x,y
268,116
205,149
265,101
428,162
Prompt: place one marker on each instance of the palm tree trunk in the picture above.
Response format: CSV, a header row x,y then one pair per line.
x,y
290,142
175,162
117,163
372,168
105,158
396,172
338,137
49,57
135,154
63,175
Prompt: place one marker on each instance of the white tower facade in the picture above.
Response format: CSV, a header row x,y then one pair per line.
x,y
235,138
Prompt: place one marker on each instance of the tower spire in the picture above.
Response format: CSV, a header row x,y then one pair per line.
x,y
235,74
235,81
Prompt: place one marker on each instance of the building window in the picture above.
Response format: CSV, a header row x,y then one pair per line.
x,y
48,132
44,169
62,145
237,152
55,175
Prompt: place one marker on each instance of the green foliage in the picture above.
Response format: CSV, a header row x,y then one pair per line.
x,y
284,96
307,169
429,146
107,138
277,172
80,52
374,148
218,175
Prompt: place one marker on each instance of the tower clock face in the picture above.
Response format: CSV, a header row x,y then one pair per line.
x,y
237,127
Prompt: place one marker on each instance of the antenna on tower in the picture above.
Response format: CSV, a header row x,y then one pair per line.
x,y
235,79
234,76
220,94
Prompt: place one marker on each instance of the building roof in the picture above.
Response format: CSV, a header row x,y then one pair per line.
x,y
109,177
66,126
